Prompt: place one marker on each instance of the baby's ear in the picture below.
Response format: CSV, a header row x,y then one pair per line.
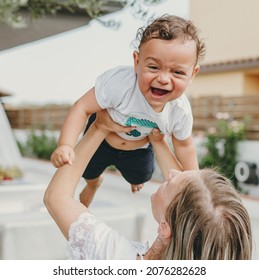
x,y
164,229
136,60
196,70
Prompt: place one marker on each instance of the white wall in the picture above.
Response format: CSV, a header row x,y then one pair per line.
x,y
248,151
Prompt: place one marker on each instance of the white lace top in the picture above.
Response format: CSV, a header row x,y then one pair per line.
x,y
93,240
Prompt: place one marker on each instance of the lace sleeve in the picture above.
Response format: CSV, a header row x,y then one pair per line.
x,y
79,245
93,240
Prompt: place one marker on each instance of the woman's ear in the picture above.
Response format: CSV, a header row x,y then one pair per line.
x,y
136,60
164,230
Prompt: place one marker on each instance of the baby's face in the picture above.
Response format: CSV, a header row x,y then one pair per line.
x,y
165,69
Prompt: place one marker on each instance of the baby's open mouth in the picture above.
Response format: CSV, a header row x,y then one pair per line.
x,y
159,91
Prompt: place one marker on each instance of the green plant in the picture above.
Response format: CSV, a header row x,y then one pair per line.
x,y
12,12
39,144
221,145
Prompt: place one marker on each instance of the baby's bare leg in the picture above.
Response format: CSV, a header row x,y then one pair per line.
x,y
87,194
136,188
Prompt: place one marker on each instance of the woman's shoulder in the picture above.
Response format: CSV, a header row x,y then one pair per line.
x,y
80,234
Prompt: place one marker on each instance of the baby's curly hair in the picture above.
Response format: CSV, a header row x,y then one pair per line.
x,y
169,27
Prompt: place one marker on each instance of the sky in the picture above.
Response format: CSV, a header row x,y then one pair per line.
x,y
61,68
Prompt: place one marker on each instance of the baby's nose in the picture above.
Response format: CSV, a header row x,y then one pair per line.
x,y
164,78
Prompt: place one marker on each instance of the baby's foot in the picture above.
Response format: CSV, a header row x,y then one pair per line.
x,y
87,194
136,188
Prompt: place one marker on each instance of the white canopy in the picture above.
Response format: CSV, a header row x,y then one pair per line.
x,y
9,153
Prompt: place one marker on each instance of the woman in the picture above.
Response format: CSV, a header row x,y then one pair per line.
x,y
199,213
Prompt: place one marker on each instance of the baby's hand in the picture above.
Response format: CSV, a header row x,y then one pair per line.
x,y
63,154
155,135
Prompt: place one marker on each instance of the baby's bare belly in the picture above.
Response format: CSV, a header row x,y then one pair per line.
x,y
122,144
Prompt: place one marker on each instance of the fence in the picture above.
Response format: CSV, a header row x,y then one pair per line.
x,y
204,112
47,117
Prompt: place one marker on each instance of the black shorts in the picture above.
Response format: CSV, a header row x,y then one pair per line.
x,y
136,166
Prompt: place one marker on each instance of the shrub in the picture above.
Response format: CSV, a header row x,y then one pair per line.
x,y
39,144
221,145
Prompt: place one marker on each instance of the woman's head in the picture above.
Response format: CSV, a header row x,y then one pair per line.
x,y
207,218
169,27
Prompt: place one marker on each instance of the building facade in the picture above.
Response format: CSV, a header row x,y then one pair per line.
x,y
230,30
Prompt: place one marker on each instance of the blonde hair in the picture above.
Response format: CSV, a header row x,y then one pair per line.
x,y
208,221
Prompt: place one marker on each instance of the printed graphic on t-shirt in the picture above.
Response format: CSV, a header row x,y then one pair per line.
x,y
131,121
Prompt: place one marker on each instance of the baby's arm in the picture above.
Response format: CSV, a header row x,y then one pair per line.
x,y
72,127
185,152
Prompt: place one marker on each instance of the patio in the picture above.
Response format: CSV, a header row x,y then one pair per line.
x,y
28,232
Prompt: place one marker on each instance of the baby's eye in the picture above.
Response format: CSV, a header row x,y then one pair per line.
x,y
152,67
179,72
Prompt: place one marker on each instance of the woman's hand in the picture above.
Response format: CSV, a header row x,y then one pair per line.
x,y
155,135
105,124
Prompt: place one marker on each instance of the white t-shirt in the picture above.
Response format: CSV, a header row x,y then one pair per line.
x,y
117,91
93,240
